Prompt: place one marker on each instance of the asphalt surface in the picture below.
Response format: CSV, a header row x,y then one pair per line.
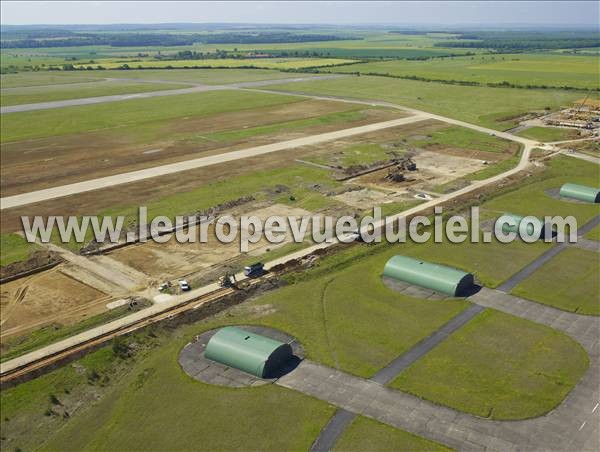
x,y
197,88
134,176
342,418
573,425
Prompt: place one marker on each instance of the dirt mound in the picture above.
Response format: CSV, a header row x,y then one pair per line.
x,y
37,260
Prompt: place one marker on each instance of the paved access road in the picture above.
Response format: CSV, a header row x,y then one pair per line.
x,y
342,418
197,88
573,425
134,176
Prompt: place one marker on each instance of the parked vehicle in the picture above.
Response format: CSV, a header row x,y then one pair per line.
x,y
254,270
184,285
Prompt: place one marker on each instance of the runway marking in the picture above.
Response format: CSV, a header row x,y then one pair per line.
x,y
596,407
582,425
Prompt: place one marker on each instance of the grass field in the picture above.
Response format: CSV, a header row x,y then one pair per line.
x,y
264,63
188,413
468,140
150,114
320,311
498,366
497,108
14,248
365,434
483,258
43,78
34,94
533,199
284,126
206,76
536,69
492,263
570,281
549,134
594,234
343,315
296,178
436,136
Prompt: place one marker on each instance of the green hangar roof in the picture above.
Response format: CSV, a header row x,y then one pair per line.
x,y
580,192
258,355
436,277
515,224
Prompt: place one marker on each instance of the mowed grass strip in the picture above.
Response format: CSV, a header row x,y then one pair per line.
x,y
73,120
32,95
570,281
498,366
497,108
365,434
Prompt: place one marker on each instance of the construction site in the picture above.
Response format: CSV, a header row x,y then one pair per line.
x,y
352,342
584,116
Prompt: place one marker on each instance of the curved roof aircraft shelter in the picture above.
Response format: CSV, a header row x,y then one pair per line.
x,y
253,353
580,192
432,276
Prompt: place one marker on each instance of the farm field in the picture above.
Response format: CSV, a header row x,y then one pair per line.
x,y
496,108
521,69
570,282
264,63
538,366
30,95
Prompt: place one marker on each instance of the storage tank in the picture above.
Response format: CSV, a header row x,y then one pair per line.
x,y
580,192
440,278
253,353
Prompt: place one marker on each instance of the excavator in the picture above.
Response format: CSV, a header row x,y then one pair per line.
x,y
228,280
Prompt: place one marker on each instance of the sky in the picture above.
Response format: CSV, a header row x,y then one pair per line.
x,y
318,12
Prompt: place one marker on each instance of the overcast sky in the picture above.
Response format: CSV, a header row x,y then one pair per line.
x,y
434,13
